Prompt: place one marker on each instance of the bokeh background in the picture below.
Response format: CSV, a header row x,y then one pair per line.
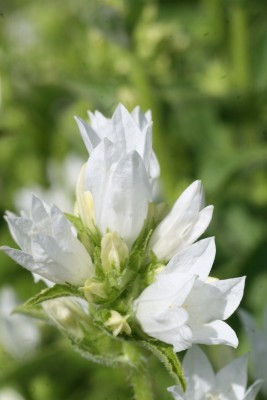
x,y
201,67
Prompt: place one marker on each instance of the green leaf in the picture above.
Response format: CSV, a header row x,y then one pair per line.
x,y
31,311
49,294
165,354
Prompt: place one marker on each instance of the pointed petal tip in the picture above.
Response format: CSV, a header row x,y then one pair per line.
x,y
197,184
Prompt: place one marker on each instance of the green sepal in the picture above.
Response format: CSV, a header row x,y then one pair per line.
x,y
49,294
166,355
138,254
76,221
95,236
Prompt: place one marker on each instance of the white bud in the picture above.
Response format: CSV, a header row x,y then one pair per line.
x,y
84,206
94,289
118,323
114,251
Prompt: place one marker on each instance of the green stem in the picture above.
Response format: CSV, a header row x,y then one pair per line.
x,y
139,375
141,384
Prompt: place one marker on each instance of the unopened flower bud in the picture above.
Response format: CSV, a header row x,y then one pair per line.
x,y
84,206
114,251
93,290
118,323
68,313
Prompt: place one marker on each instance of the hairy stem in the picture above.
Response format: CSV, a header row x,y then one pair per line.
x,y
139,375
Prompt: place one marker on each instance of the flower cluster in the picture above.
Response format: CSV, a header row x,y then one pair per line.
x,y
145,277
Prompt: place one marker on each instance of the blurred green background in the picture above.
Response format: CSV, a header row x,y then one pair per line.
x,y
200,66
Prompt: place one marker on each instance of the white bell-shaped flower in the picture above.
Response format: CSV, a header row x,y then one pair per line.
x,y
203,384
120,189
49,246
128,131
183,306
186,221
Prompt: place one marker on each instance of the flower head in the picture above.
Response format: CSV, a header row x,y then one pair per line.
x,y
203,384
128,131
183,307
49,246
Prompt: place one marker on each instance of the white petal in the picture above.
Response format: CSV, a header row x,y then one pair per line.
x,y
232,290
232,379
89,136
101,125
199,374
140,118
40,216
39,209
177,393
62,228
200,225
253,390
144,146
98,173
24,259
166,291
57,264
177,229
20,229
154,169
126,129
211,301
216,332
191,200
37,278
129,196
158,310
124,202
196,259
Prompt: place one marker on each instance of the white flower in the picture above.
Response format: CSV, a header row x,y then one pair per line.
x,y
183,306
258,345
120,189
19,334
128,131
49,245
203,384
187,220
